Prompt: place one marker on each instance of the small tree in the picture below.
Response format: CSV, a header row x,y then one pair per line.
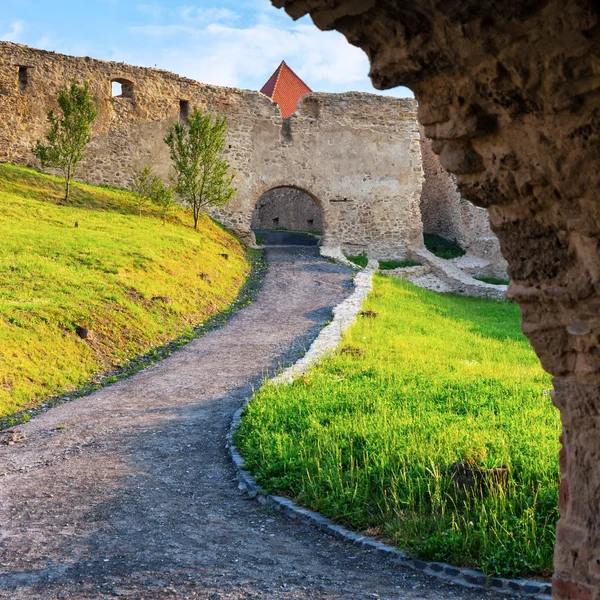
x,y
141,186
69,132
162,196
201,174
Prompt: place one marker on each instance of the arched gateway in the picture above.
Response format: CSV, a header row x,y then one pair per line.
x,y
288,208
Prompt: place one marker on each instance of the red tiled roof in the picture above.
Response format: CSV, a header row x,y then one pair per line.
x,y
285,88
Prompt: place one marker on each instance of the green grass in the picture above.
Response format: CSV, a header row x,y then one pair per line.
x,y
261,238
368,437
388,265
108,274
442,247
359,259
309,231
493,280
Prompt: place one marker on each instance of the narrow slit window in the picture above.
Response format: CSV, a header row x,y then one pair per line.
x,y
184,110
23,78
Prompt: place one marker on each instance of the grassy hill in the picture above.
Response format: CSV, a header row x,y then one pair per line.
x,y
133,282
423,387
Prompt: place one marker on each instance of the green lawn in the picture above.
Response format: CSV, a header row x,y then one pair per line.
x,y
442,247
492,280
368,438
388,265
362,260
134,282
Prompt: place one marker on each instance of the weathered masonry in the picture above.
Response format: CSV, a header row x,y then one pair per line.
x,y
357,155
509,92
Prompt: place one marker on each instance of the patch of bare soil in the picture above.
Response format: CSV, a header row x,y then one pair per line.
x,y
129,492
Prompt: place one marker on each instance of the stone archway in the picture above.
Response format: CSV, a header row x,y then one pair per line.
x,y
287,208
508,92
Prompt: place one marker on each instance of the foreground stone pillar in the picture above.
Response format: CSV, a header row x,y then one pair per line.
x,y
509,92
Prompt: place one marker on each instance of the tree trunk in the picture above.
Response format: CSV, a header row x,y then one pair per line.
x,y
67,184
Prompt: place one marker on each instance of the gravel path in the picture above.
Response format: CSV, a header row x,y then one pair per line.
x,y
129,493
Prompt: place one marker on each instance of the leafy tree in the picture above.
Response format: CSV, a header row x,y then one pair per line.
x,y
162,196
201,174
141,186
69,132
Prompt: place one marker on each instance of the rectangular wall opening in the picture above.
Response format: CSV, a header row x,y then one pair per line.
x,y
184,110
23,78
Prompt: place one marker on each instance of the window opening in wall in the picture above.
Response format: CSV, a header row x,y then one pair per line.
x,y
184,110
121,88
23,78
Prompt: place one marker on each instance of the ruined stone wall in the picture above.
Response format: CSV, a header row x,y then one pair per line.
x,y
356,154
287,208
446,213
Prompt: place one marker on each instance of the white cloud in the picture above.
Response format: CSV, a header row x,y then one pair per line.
x,y
47,42
163,31
153,10
210,46
15,32
227,55
207,15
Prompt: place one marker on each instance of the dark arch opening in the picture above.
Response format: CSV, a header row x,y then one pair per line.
x,y
287,216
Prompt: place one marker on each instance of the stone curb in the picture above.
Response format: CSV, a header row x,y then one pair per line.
x,y
345,314
461,282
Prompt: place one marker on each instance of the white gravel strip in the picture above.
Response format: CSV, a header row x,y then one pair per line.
x,y
344,315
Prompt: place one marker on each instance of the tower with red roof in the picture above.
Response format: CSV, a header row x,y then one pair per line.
x,y
285,88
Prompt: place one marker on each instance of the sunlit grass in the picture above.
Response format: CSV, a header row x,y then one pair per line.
x,y
369,437
134,282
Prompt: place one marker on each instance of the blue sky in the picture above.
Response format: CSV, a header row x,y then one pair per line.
x,y
225,42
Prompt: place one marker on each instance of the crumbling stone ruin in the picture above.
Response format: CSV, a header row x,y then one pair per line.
x,y
508,94
358,156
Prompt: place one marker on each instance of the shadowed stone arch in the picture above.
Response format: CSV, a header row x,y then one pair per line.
x,y
328,220
288,207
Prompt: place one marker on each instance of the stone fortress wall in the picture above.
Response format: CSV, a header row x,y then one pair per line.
x,y
364,174
445,213
357,155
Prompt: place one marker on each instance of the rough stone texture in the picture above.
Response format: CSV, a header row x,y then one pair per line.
x,y
356,154
129,492
509,93
440,275
445,213
287,208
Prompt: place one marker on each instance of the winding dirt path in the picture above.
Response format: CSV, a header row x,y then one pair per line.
x,y
129,492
